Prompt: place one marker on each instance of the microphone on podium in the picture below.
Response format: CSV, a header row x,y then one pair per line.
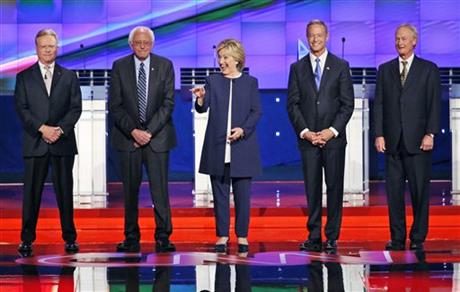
x,y
343,47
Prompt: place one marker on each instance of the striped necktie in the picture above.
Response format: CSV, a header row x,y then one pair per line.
x,y
142,93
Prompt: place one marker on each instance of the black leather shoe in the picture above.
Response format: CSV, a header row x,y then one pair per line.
x,y
25,249
127,246
243,248
164,246
416,245
330,245
311,245
394,245
220,248
71,247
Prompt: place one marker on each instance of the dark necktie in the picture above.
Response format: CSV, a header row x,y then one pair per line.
x,y
142,93
404,73
317,73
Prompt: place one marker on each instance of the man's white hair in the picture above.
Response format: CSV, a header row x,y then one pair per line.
x,y
139,28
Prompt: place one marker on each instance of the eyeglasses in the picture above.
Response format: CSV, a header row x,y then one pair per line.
x,y
142,43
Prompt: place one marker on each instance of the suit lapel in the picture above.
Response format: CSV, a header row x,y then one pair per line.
x,y
57,73
395,73
132,81
309,77
39,78
153,83
412,72
326,69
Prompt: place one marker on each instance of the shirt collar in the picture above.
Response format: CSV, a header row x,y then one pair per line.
x,y
138,62
322,57
43,66
409,60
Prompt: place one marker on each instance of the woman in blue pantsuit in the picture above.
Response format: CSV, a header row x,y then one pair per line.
x,y
230,152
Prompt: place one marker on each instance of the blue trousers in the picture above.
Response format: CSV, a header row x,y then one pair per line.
x,y
241,194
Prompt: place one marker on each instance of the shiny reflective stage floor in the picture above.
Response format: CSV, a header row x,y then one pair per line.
x,y
278,217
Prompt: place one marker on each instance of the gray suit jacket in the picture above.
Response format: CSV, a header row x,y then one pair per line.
x,y
123,104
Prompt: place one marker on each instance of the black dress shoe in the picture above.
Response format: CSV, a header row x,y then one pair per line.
x,y
25,249
243,248
164,246
127,246
416,245
394,245
311,245
220,248
330,245
71,247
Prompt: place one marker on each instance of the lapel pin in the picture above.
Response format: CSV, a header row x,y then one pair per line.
x,y
327,68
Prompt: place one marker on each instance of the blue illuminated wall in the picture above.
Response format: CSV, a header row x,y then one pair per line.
x,y
94,33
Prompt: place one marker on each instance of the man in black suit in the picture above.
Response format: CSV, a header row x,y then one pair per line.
x,y
406,118
48,102
320,103
141,104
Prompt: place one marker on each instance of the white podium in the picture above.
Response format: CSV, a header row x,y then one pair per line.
x,y
356,179
202,191
89,172
454,109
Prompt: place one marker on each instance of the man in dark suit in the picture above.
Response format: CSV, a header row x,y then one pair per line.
x,y
48,102
141,104
406,118
320,103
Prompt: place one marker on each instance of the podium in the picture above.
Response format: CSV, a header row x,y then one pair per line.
x,y
454,110
89,172
356,176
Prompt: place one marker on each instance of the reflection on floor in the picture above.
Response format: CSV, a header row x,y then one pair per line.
x,y
350,269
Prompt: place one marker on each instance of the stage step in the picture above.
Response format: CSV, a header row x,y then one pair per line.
x,y
197,224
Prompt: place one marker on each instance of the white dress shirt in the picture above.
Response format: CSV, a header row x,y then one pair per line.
x,y
228,157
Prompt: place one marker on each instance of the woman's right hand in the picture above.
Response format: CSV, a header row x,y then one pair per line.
x,y
199,91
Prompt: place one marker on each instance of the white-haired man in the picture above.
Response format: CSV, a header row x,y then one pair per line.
x,y
141,102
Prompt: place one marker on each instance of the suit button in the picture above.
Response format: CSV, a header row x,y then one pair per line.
x,y
317,102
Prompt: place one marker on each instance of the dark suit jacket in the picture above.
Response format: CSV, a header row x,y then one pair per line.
x,y
61,109
413,110
123,104
331,106
246,112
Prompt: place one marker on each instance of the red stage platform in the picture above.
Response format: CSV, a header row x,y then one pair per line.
x,y
278,218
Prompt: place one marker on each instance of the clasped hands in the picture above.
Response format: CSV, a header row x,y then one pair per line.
x,y
141,137
50,134
318,138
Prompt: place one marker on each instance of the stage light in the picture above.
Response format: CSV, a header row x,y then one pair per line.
x,y
277,133
277,99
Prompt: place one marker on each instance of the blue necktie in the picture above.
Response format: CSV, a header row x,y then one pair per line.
x,y
317,73
142,93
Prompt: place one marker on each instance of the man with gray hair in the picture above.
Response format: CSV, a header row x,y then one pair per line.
x,y
48,102
406,117
141,102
